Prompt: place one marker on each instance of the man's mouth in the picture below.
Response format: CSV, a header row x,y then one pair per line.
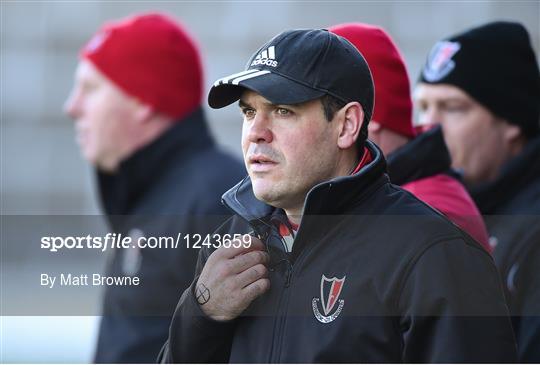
x,y
260,159
261,163
81,136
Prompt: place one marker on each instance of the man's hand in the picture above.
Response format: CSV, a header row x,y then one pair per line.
x,y
231,279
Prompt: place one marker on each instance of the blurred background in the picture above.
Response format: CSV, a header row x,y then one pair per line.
x,y
42,172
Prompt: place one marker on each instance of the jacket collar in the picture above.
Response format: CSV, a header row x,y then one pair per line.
x,y
426,155
120,190
330,197
516,175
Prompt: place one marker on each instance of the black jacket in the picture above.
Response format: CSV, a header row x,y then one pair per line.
x,y
171,186
424,156
511,208
414,287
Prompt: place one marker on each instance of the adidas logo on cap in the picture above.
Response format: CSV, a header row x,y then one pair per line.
x,y
266,57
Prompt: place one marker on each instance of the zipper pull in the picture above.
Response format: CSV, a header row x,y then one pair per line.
x,y
288,275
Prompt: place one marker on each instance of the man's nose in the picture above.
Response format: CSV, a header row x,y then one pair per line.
x,y
429,117
72,105
259,130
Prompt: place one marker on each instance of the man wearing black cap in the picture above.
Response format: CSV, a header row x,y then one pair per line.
x,y
483,86
342,265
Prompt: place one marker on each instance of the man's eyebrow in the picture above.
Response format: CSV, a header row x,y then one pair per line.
x,y
243,104
454,99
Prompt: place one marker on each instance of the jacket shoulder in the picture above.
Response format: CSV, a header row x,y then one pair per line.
x,y
408,226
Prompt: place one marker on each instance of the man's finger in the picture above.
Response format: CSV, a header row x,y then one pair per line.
x,y
246,243
251,275
246,260
256,289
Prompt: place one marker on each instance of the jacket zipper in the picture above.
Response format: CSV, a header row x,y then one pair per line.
x,y
275,355
283,300
278,327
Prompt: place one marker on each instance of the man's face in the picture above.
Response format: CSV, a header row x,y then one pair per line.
x,y
287,149
478,141
102,115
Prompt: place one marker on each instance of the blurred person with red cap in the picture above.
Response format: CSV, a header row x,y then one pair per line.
x,y
482,86
421,167
136,103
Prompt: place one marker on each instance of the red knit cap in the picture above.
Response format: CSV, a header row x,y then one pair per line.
x,y
151,57
393,105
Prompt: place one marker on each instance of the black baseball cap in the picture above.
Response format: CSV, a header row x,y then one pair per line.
x,y
301,65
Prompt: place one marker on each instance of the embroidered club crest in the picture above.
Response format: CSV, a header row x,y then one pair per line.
x,y
439,63
330,290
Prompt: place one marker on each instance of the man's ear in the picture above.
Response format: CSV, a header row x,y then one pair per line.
x,y
514,138
143,112
352,116
512,132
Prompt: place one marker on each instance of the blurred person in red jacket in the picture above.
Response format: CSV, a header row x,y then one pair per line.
x,y
422,166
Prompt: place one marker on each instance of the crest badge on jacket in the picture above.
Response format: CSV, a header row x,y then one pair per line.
x,y
324,307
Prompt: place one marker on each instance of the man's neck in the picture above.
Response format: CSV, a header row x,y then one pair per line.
x,y
294,215
348,166
147,135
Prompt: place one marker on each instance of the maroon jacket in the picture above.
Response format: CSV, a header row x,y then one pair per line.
x,y
422,167
446,194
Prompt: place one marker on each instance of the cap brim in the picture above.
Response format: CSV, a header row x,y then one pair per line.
x,y
274,87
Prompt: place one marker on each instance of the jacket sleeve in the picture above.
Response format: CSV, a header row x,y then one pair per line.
x,y
528,329
193,336
452,308
527,308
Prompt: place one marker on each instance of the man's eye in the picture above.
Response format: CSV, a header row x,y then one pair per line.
x,y
421,107
86,88
248,113
283,111
455,108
